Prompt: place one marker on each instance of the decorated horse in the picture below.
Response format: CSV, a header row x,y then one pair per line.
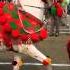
x,y
21,27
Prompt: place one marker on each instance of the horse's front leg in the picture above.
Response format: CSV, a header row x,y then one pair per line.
x,y
32,51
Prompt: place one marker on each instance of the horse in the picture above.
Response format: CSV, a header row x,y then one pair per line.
x,y
28,48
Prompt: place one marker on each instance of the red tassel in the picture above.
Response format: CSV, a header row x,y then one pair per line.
x,y
15,33
35,37
2,4
2,19
43,34
6,27
8,17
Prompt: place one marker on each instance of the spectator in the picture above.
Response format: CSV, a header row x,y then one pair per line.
x,y
55,20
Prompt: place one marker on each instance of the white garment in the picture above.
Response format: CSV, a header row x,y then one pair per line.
x,y
34,11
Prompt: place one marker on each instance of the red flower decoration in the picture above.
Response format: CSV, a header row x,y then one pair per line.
x,y
35,37
15,33
6,27
43,34
8,17
2,4
2,19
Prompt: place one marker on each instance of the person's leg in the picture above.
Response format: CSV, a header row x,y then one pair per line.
x,y
57,22
52,26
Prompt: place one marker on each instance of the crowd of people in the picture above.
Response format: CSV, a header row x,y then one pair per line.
x,y
57,10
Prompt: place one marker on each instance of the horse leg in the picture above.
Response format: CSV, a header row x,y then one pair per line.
x,y
32,51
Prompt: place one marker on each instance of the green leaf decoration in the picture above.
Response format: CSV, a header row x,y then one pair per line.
x,y
14,14
13,25
26,23
53,10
